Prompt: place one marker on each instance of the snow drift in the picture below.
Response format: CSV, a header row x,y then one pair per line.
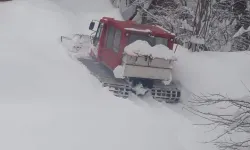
x,y
223,73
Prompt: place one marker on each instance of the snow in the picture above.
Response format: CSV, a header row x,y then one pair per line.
x,y
197,40
50,101
119,71
169,32
167,82
139,89
138,30
140,47
241,31
213,72
186,26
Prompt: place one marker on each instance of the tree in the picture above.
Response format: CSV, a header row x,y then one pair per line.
x,y
242,15
201,25
234,123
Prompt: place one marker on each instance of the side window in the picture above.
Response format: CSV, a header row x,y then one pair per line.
x,y
159,40
117,40
110,37
98,34
99,30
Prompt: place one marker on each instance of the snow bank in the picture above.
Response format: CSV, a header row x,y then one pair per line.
x,y
205,73
213,72
143,48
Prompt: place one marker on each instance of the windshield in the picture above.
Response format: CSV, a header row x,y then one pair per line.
x,y
151,40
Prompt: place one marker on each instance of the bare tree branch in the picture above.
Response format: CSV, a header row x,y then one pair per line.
x,y
234,122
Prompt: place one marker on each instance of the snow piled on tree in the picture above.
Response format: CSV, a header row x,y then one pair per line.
x,y
142,48
241,31
197,40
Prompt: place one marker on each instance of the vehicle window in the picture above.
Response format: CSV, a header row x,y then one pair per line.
x,y
135,37
163,41
98,33
110,37
152,41
99,30
117,40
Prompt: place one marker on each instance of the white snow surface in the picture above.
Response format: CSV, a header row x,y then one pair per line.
x,y
119,71
142,48
241,31
206,73
49,101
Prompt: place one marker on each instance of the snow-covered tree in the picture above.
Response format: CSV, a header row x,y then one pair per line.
x,y
202,24
241,40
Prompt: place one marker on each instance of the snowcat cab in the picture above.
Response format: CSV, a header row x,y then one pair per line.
x,y
139,72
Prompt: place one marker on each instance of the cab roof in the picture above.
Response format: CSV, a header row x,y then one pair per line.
x,y
131,26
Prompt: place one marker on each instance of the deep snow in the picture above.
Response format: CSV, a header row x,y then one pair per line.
x,y
206,73
49,101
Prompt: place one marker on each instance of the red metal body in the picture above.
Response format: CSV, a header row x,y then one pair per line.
x,y
112,57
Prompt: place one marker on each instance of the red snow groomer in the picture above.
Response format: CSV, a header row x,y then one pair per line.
x,y
130,58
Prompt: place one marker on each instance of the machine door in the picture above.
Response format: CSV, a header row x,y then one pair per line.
x,y
97,36
96,39
110,52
